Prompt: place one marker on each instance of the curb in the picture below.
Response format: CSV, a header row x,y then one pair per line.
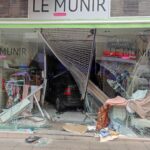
x,y
23,135
62,136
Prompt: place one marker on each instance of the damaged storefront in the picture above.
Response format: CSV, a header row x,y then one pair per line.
x,y
118,73
20,75
112,84
68,73
37,90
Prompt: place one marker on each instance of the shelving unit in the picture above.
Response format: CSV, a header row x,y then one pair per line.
x,y
114,65
115,59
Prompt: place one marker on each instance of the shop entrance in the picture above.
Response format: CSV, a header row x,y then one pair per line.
x,y
62,98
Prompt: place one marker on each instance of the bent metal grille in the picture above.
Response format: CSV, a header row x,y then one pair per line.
x,y
74,48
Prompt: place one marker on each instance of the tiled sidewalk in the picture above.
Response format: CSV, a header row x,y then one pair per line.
x,y
72,144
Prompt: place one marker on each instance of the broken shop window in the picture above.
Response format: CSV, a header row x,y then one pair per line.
x,y
75,76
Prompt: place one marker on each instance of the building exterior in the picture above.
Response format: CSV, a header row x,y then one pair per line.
x,y
110,11
121,47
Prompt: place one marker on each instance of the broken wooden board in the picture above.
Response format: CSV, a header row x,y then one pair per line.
x,y
14,110
75,128
96,92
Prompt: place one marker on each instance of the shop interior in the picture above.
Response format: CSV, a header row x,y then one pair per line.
x,y
39,91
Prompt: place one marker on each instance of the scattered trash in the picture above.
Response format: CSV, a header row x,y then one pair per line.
x,y
91,128
75,128
38,141
104,132
43,142
108,138
31,122
105,135
32,139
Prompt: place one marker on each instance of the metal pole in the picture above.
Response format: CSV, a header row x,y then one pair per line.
x,y
90,63
39,107
45,77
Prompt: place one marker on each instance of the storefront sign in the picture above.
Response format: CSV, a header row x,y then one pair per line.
x,y
68,9
13,51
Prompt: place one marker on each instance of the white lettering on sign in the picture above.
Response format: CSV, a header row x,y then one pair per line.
x,y
68,9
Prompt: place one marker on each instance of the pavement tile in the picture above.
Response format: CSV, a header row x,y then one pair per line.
x,y
41,148
98,146
147,145
69,145
3,135
56,148
117,146
136,145
6,148
52,144
7,144
59,143
22,148
78,144
23,144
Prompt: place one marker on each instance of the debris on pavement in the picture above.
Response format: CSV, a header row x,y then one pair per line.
x,y
75,128
32,122
106,134
38,141
91,128
32,139
43,142
14,111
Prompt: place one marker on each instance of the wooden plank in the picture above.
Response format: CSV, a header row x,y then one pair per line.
x,y
36,100
91,88
96,92
14,110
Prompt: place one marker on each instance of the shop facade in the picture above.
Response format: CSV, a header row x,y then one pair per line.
x,y
103,44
